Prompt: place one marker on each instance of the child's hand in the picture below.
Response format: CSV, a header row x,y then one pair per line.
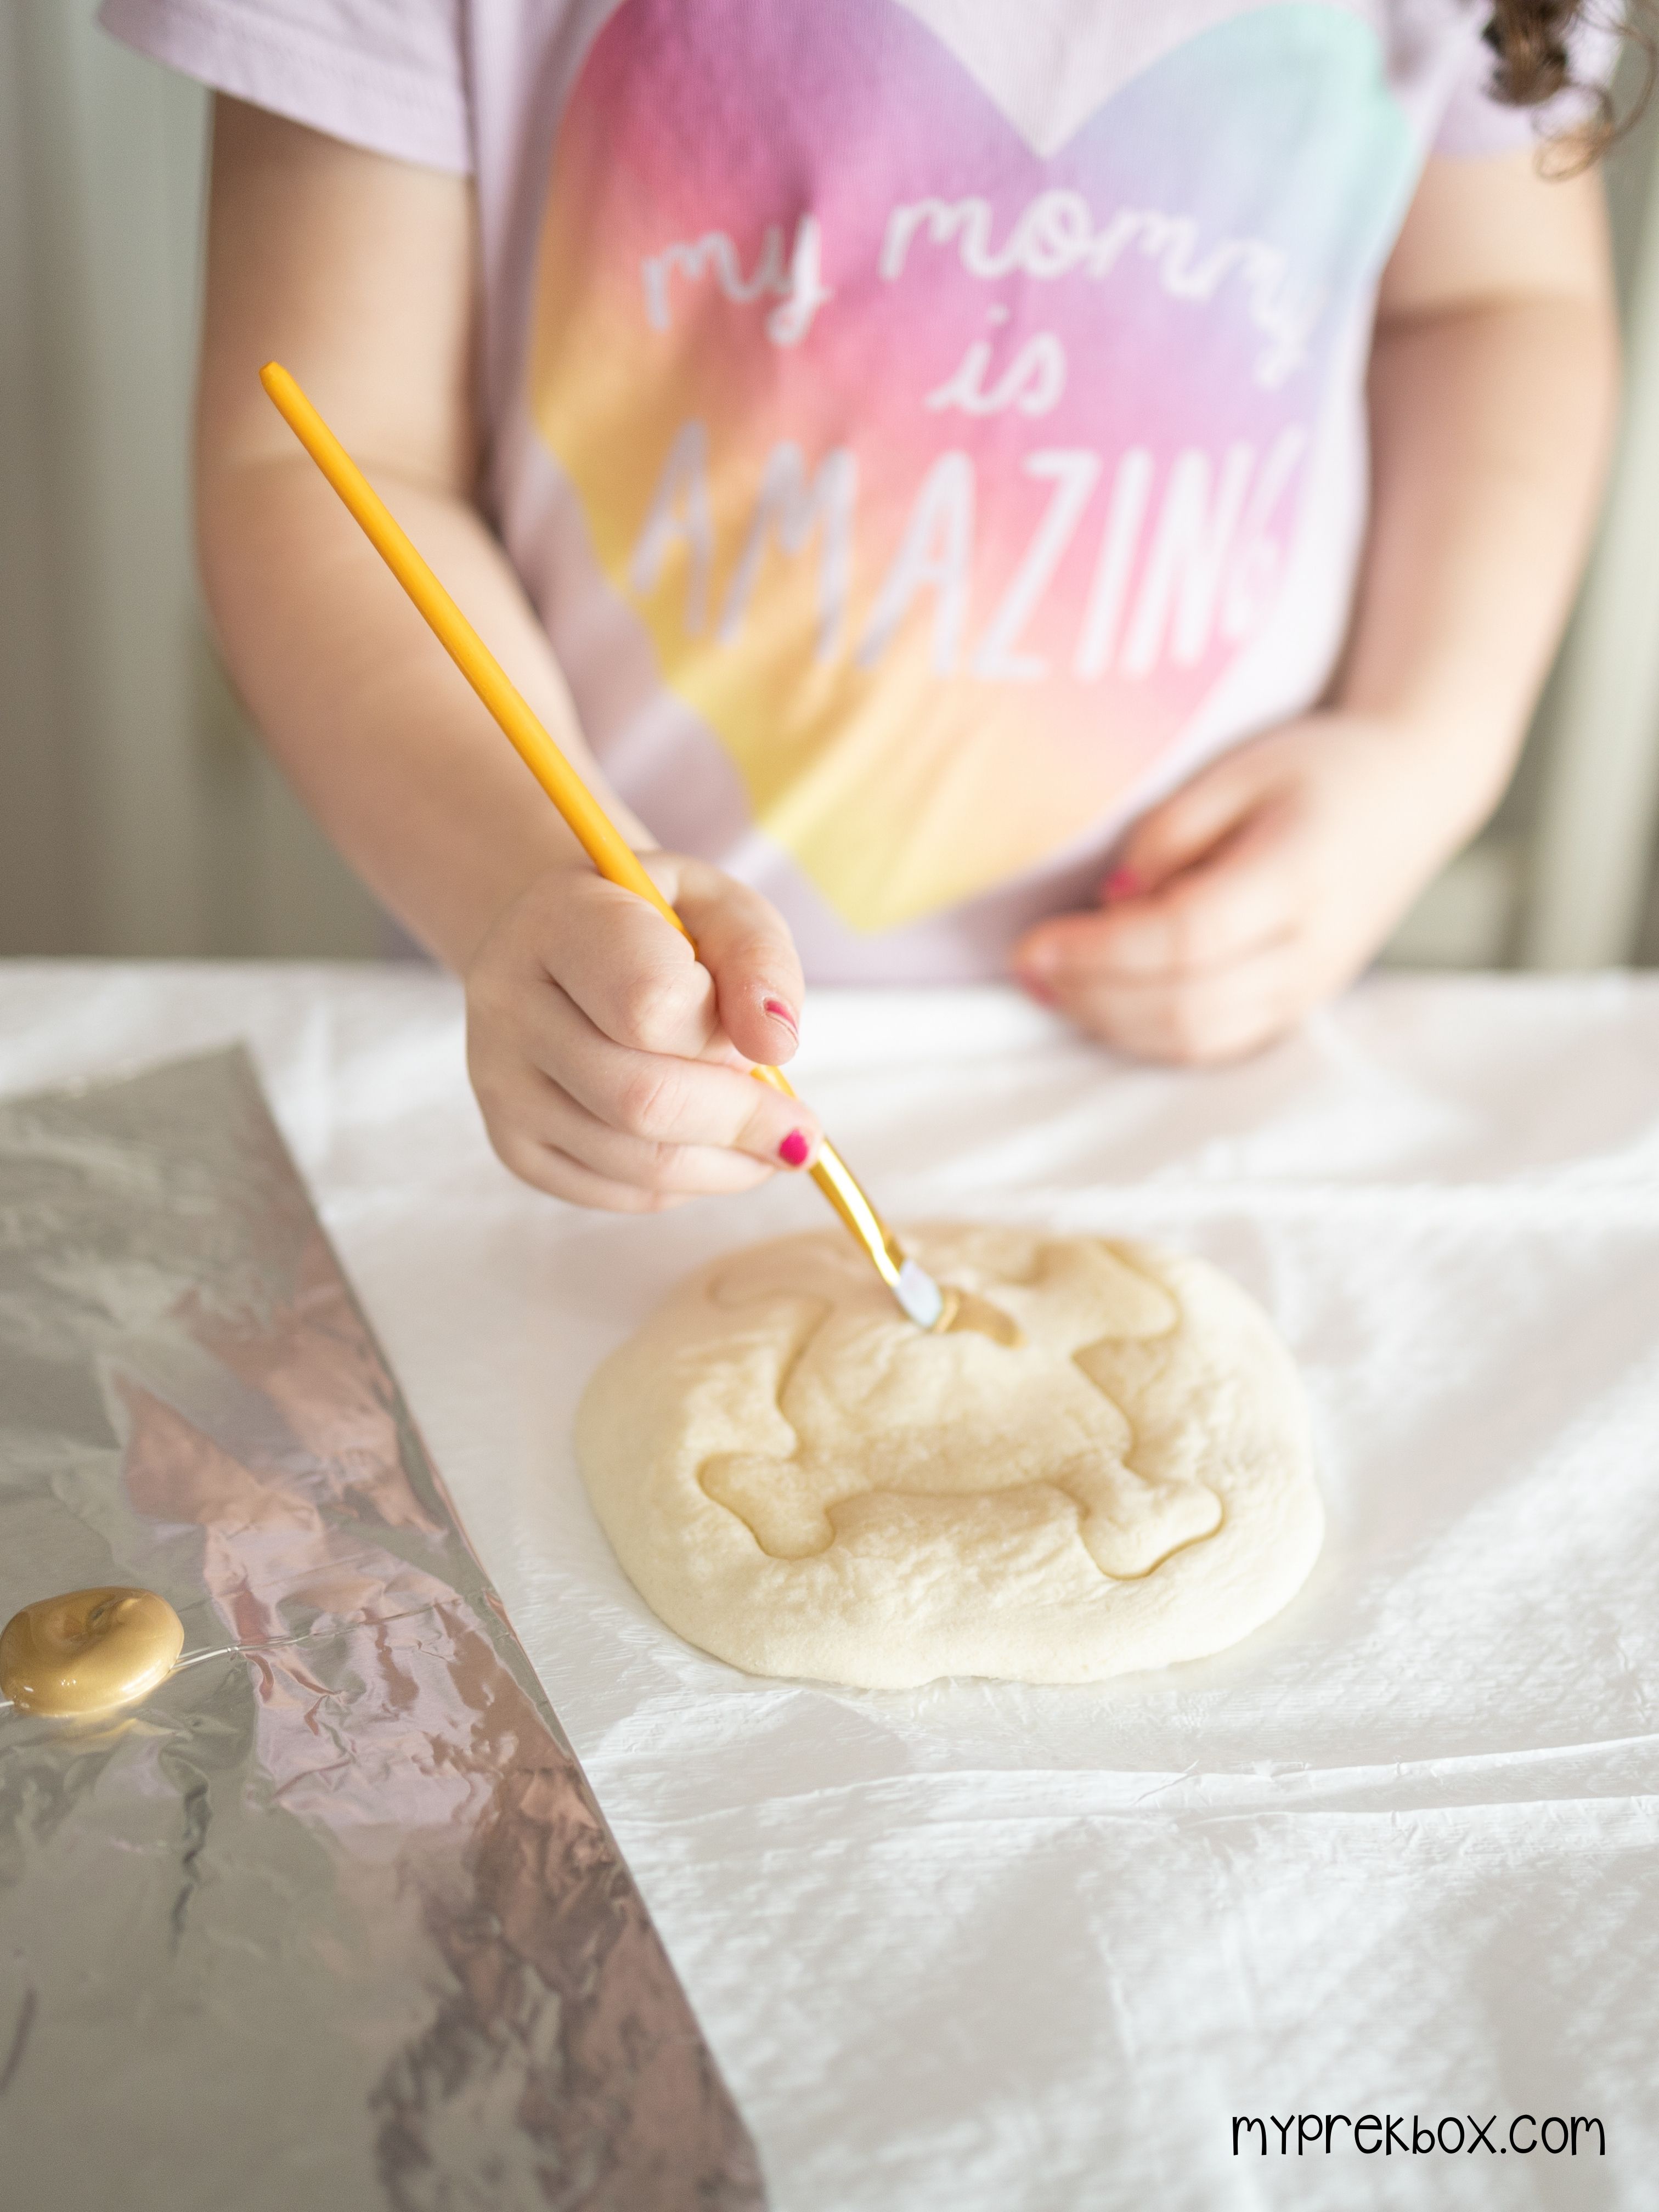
x,y
1255,892
610,1060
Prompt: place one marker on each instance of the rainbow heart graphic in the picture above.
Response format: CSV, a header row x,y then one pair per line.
x,y
947,477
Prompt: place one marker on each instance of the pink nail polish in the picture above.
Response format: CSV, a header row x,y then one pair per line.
x,y
1121,884
781,1012
794,1149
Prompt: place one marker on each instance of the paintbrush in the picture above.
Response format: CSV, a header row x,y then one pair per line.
x,y
917,1292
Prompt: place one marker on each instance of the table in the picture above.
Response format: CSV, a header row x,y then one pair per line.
x,y
983,1946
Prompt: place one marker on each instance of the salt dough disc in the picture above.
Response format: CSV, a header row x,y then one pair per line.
x,y
799,1481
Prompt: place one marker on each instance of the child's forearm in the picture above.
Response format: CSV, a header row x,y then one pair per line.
x,y
358,273
385,743
1491,421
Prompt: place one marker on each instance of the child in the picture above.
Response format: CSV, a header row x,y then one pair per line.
x,y
1081,488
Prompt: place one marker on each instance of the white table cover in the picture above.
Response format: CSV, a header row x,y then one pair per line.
x,y
983,1946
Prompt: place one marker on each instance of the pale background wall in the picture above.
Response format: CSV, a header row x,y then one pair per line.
x,y
137,815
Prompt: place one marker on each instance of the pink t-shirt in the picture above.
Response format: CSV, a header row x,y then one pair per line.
x,y
930,430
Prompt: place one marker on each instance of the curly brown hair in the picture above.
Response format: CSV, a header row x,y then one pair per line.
x,y
1530,39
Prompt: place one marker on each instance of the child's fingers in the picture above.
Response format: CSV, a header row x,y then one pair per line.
x,y
1195,1020
597,1050
1178,831
744,943
511,1096
1244,897
635,978
532,1116
547,1170
656,1098
683,1171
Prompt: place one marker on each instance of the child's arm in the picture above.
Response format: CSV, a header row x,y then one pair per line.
x,y
599,1049
1267,883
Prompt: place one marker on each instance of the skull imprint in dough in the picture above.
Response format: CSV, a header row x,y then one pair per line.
x,y
866,1402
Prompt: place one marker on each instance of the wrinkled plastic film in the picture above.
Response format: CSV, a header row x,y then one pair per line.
x,y
331,1919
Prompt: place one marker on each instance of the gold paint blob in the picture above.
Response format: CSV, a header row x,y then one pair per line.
x,y
88,1651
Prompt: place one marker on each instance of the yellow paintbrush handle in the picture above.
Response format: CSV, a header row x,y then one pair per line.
x,y
599,839
841,1187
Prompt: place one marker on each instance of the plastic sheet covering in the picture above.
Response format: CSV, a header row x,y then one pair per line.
x,y
332,1920
984,1948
